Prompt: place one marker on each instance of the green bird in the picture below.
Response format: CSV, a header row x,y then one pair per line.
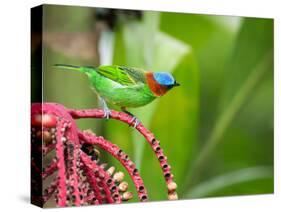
x,y
124,86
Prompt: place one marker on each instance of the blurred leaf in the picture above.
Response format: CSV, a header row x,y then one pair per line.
x,y
251,59
67,18
220,183
254,44
211,38
188,27
78,45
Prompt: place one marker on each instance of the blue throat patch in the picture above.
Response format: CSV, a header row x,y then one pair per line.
x,y
164,78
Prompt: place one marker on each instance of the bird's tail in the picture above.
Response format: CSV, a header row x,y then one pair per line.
x,y
82,69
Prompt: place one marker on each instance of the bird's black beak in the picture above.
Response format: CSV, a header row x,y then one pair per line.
x,y
176,84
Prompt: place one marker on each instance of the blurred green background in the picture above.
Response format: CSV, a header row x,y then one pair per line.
x,y
216,128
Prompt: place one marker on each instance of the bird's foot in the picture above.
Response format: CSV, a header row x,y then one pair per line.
x,y
134,119
106,110
107,113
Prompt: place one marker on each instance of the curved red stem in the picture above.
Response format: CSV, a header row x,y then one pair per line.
x,y
50,190
61,196
50,169
115,151
80,179
105,180
150,138
93,181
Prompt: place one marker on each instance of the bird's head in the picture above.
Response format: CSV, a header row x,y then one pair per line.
x,y
165,79
160,82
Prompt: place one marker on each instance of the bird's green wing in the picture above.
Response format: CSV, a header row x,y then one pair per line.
x,y
123,75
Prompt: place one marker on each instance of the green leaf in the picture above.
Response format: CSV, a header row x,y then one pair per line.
x,y
219,184
67,18
211,38
254,44
250,63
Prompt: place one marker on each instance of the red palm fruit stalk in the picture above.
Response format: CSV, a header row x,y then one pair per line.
x,y
72,148
67,139
50,190
80,179
72,145
87,194
93,182
54,115
50,169
106,183
150,138
91,197
47,148
115,151
61,196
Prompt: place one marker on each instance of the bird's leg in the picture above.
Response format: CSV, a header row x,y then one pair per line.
x,y
105,108
134,119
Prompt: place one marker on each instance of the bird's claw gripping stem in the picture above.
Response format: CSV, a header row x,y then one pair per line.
x,y
134,119
107,113
106,110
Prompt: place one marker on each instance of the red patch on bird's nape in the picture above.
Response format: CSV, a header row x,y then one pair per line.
x,y
155,87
